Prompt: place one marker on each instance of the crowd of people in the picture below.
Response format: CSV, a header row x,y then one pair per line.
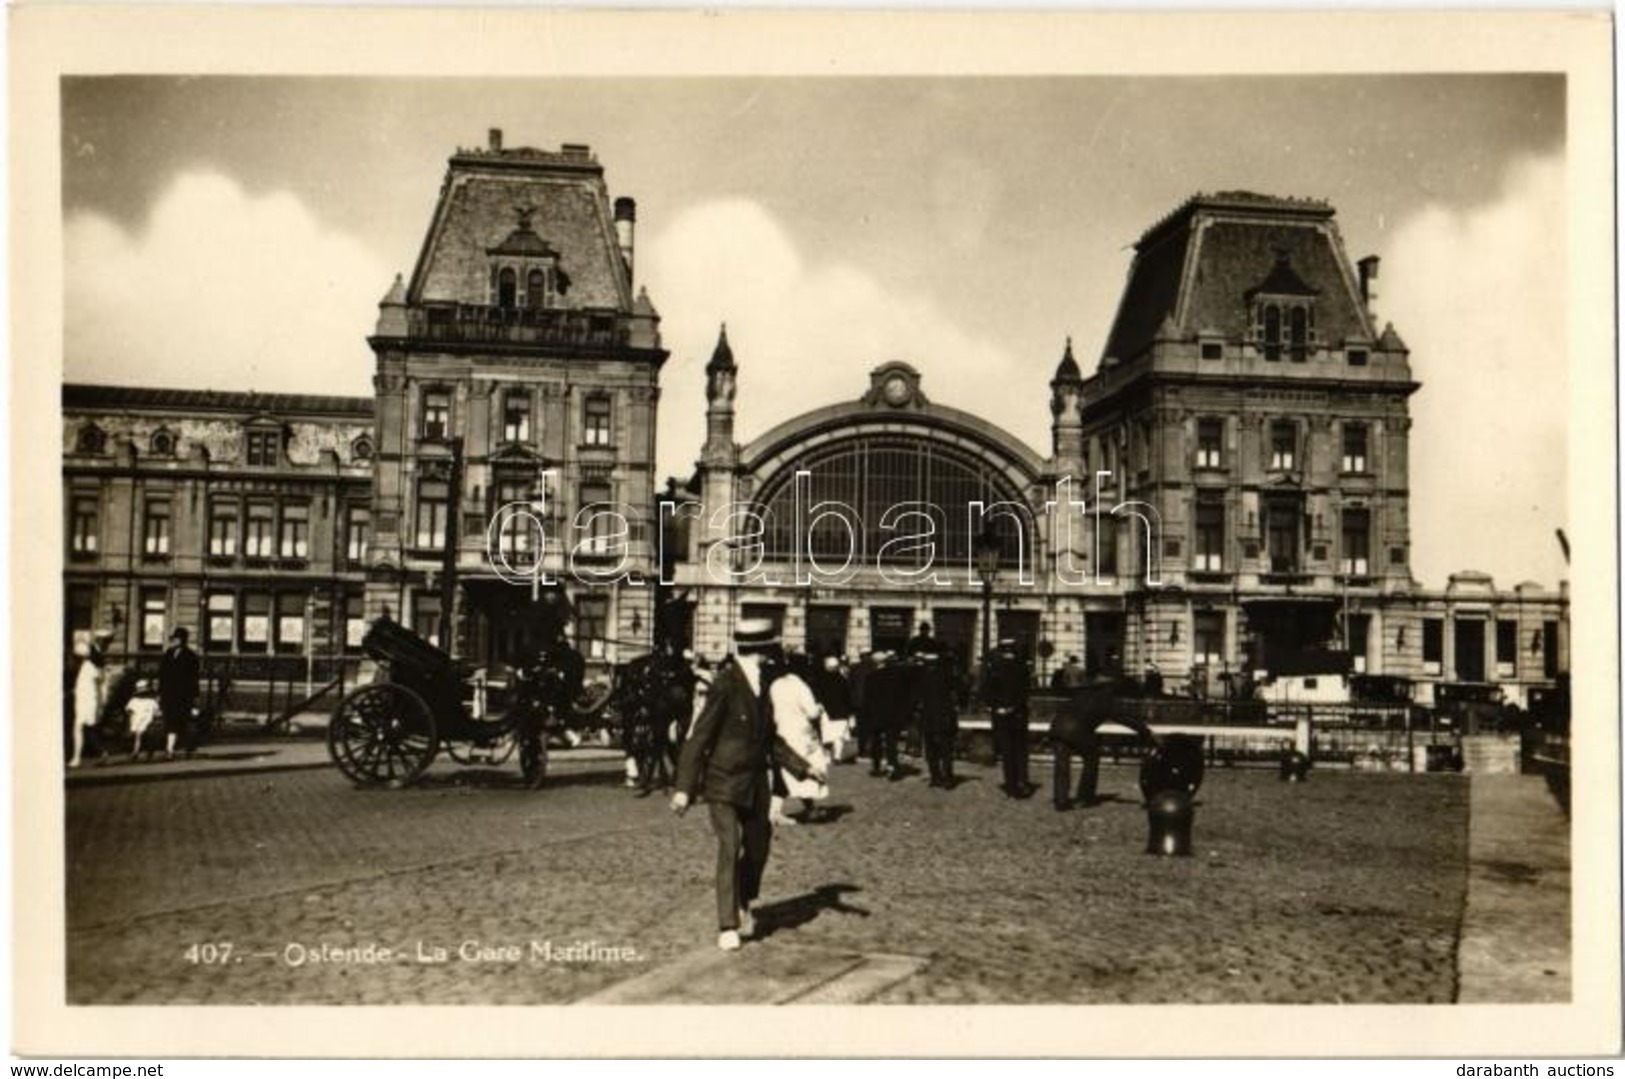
x,y
767,726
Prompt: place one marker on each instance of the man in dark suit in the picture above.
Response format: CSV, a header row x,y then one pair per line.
x,y
1005,685
177,693
939,720
1076,729
725,760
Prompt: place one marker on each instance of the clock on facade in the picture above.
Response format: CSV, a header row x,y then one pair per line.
x,y
896,390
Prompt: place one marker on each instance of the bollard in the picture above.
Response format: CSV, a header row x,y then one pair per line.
x,y
1170,816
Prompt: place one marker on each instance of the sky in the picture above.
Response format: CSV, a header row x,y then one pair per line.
x,y
237,233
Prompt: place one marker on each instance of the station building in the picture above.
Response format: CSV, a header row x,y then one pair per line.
x,y
1241,451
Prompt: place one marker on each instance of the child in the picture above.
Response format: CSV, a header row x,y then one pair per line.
x,y
142,712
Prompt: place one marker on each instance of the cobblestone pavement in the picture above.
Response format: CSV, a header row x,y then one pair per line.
x,y
1347,888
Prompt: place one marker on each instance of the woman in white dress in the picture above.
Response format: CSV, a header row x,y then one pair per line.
x,y
796,716
89,691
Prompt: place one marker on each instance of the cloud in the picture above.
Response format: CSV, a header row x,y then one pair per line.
x,y
220,289
805,333
1479,296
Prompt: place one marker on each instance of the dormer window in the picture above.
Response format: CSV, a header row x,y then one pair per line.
x,y
1283,313
92,439
525,270
263,447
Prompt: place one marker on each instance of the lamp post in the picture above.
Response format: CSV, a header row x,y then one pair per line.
x,y
987,567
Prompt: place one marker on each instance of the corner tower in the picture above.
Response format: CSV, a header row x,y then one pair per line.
x,y
517,366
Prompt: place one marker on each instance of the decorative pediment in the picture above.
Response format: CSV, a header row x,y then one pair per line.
x,y
895,385
516,453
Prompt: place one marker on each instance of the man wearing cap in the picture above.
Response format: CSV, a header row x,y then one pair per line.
x,y
725,761
177,693
1004,689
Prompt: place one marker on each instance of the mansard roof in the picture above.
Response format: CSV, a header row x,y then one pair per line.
x,y
78,395
1197,268
561,205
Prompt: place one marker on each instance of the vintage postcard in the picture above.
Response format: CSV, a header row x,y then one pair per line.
x,y
648,513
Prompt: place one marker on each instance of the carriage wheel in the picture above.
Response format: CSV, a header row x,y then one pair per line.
x,y
383,735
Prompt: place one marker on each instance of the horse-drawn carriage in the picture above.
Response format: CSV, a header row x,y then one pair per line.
x,y
389,731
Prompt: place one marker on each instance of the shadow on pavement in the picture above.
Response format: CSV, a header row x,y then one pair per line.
x,y
798,910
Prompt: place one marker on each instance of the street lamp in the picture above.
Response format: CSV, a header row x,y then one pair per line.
x,y
988,553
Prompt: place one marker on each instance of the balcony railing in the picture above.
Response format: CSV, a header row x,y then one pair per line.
x,y
465,323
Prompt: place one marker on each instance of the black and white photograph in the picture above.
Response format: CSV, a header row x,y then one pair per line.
x,y
908,538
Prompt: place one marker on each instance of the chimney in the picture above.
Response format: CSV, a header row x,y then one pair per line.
x,y
494,139
1368,283
626,217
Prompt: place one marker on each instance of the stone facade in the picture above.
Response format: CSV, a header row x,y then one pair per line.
x,y
242,517
517,368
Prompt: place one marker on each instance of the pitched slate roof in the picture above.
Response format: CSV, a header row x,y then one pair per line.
x,y
85,396
1198,267
480,200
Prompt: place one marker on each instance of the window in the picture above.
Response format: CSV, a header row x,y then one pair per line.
x,y
361,449
155,528
219,630
85,525
536,288
1357,357
262,447
507,287
1107,546
1354,447
1298,323
295,531
596,424
154,613
1283,445
256,625
81,611
1548,648
1212,350
436,413
1356,559
223,523
426,617
597,495
258,538
1281,530
357,523
519,538
290,621
1432,645
1357,632
1506,648
162,443
1209,536
592,616
1209,633
431,518
1210,443
355,625
1272,332
516,416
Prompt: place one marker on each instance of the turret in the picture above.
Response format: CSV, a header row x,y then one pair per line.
x,y
721,376
1066,406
